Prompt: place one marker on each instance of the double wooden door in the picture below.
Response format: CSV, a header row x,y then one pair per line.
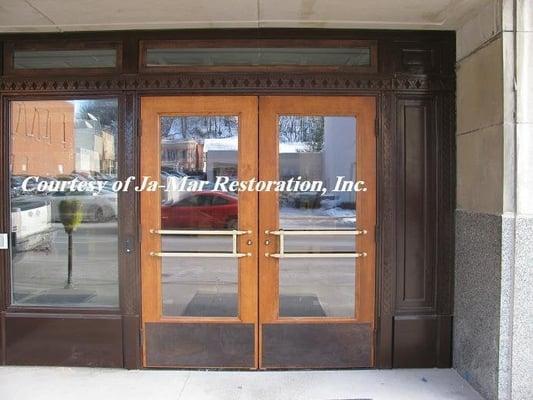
x,y
258,239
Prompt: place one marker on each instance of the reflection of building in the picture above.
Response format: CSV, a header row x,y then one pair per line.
x,y
221,157
95,147
338,153
47,140
42,138
337,157
182,154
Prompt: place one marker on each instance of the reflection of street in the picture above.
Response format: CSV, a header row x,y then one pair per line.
x,y
95,272
329,283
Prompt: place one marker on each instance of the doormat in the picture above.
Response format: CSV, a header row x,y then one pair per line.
x,y
211,304
58,298
225,305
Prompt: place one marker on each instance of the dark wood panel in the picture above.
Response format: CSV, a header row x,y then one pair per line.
x,y
422,341
94,341
2,338
317,345
418,57
417,206
444,341
386,232
131,339
415,342
415,122
198,345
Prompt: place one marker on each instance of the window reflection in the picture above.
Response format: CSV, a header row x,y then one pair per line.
x,y
317,148
64,243
195,151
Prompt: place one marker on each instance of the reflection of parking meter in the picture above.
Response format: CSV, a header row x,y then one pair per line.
x,y
13,242
15,226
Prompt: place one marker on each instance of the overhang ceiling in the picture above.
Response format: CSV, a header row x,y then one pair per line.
x,y
94,15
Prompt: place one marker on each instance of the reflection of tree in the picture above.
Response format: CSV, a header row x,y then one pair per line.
x,y
302,129
71,215
104,110
199,127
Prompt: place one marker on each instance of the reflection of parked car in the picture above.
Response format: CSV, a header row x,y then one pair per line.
x,y
167,171
30,186
201,210
30,223
16,185
95,207
305,199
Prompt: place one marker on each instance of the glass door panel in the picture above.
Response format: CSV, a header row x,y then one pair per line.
x,y
322,149
196,151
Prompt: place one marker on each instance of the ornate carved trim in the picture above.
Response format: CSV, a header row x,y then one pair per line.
x,y
231,82
128,209
387,204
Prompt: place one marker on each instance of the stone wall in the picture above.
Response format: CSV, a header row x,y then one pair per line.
x,y
494,255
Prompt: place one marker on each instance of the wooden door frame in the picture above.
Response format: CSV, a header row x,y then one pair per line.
x,y
414,79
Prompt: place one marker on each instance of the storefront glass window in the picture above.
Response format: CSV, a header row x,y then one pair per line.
x,y
64,234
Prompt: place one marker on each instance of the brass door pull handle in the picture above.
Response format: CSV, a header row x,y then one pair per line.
x,y
316,255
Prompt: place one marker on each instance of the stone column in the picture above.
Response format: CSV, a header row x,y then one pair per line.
x,y
494,217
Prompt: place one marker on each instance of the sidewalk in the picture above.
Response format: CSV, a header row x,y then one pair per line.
x,y
44,383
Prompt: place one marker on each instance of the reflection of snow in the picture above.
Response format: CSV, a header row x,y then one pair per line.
x,y
230,143
340,212
316,218
295,147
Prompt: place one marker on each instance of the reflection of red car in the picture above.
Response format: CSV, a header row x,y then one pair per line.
x,y
201,210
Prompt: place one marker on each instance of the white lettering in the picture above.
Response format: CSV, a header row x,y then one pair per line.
x,y
25,182
221,184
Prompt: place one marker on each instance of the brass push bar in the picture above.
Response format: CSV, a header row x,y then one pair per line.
x,y
198,232
316,255
317,232
233,233
282,233
200,255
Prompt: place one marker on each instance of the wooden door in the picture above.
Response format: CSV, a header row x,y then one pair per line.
x,y
198,248
286,279
317,249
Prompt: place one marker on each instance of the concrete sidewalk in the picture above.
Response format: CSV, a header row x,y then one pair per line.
x,y
43,383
